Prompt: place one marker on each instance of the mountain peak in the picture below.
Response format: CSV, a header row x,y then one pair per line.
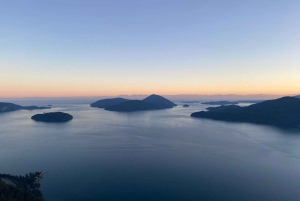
x,y
159,100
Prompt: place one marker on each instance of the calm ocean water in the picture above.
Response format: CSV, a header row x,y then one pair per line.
x,y
156,155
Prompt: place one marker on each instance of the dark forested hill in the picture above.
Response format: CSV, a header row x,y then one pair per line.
x,y
20,188
160,101
281,112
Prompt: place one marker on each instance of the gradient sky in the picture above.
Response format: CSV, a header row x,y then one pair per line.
x,y
94,48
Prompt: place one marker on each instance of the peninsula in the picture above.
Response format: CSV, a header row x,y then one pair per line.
x,y
283,112
9,107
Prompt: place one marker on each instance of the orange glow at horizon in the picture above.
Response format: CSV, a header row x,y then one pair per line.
x,y
20,82
81,90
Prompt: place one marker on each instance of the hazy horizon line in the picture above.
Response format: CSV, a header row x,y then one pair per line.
x,y
253,96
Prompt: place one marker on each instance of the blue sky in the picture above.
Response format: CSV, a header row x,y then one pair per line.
x,y
87,48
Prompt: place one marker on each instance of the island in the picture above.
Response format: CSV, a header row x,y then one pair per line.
x,y
20,188
282,112
133,105
152,102
10,107
185,105
52,117
108,102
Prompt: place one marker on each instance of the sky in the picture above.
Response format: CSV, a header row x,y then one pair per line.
x,y
104,48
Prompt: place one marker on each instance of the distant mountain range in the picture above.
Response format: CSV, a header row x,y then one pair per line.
x,y
281,112
202,98
152,102
221,103
9,107
231,102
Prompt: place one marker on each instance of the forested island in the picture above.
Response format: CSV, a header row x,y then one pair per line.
x,y
52,117
10,107
108,102
133,105
152,102
21,188
283,112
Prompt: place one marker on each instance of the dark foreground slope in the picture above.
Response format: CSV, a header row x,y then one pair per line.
x,y
132,106
52,117
20,188
284,112
108,102
9,107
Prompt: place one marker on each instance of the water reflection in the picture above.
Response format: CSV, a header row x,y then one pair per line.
x,y
154,155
